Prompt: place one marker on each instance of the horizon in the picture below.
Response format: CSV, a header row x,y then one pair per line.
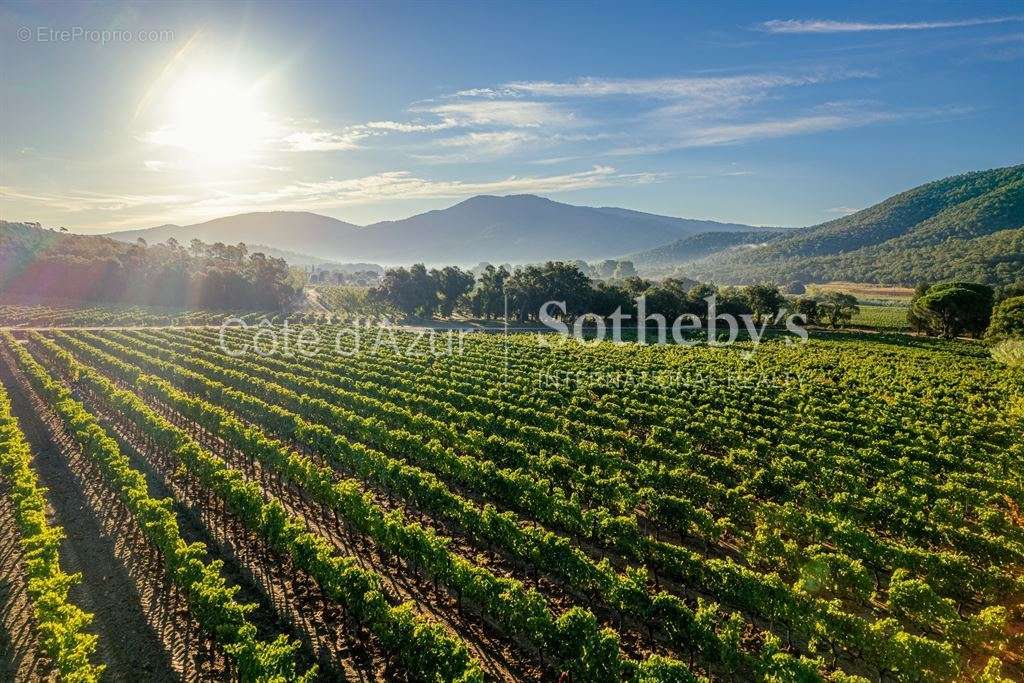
x,y
782,116
401,218
479,196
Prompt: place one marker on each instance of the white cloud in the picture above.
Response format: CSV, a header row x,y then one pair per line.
x,y
842,210
663,88
400,127
322,140
716,97
508,113
500,140
828,26
733,133
480,145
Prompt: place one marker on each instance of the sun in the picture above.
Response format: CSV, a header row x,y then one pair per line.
x,y
215,118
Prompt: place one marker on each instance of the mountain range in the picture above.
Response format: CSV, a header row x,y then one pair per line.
x,y
968,227
512,229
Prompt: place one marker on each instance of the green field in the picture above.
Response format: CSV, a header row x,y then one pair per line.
x,y
887,318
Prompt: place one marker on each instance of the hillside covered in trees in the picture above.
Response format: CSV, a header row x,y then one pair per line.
x,y
702,245
966,227
43,265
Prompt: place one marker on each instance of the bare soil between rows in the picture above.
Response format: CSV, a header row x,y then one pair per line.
x,y
120,587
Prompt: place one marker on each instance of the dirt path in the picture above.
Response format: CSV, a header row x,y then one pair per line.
x,y
313,299
21,657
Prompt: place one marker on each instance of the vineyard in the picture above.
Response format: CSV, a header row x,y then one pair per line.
x,y
49,315
508,509
883,318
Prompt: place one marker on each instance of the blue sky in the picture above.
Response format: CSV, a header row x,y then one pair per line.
x,y
781,114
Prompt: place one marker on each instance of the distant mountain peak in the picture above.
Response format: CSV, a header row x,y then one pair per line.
x,y
516,228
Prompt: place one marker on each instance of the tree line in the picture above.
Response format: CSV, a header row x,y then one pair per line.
x,y
47,265
520,293
948,309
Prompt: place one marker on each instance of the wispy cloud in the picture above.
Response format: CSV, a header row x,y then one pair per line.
x,y
729,134
405,185
510,113
111,211
830,26
323,140
842,210
479,145
668,88
78,201
707,109
550,116
408,127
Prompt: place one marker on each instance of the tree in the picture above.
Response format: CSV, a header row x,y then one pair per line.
x,y
942,312
488,298
452,284
606,298
764,300
914,322
808,308
838,308
669,298
951,309
531,287
425,288
1008,319
985,292
412,291
636,285
702,290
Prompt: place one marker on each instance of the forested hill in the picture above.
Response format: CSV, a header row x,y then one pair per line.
x,y
702,245
966,227
46,265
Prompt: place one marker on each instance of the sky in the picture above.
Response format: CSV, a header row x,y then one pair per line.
x,y
130,115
